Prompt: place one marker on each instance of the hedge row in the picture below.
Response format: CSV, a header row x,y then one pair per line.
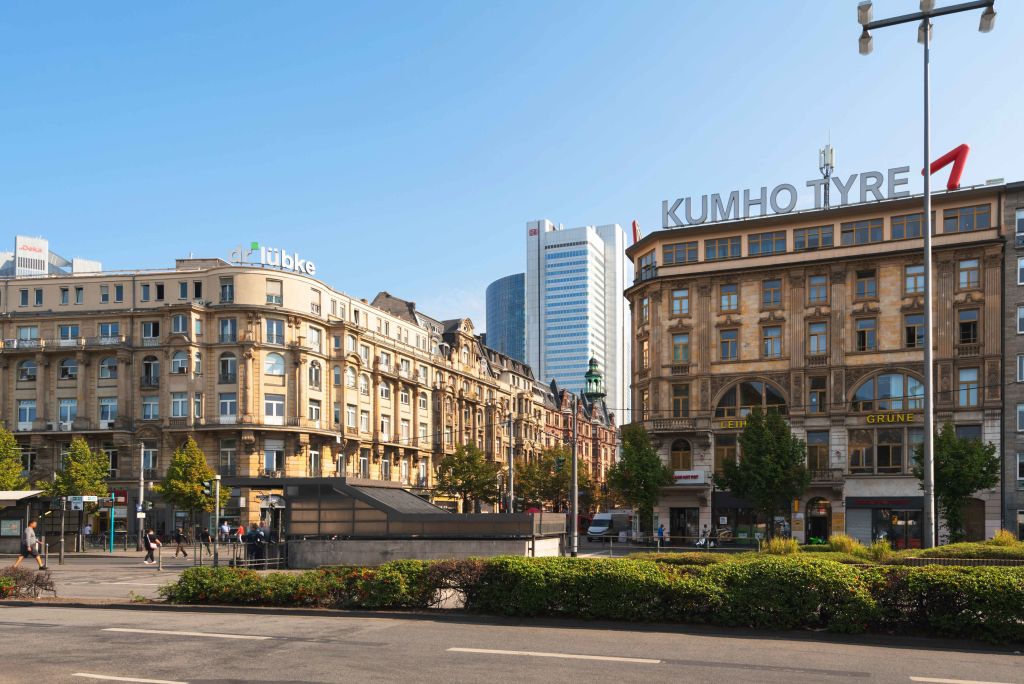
x,y
766,592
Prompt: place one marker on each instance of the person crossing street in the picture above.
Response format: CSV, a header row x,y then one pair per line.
x,y
30,546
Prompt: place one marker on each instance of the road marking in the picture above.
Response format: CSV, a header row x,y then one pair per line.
x,y
933,680
195,634
570,656
111,678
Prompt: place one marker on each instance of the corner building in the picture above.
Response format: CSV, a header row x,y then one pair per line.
x,y
819,315
275,374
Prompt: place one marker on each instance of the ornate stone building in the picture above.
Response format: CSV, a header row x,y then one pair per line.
x,y
819,314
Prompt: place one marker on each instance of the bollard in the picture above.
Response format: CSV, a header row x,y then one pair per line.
x,y
46,552
160,557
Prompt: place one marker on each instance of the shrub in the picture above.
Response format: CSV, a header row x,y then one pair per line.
x,y
778,546
974,550
684,558
836,557
771,592
25,582
1004,538
845,543
819,547
880,551
6,587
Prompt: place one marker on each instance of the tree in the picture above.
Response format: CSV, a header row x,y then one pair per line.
x,y
10,463
548,480
639,475
468,475
771,470
962,467
183,484
84,472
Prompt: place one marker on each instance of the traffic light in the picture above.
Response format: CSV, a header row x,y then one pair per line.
x,y
208,487
559,463
148,505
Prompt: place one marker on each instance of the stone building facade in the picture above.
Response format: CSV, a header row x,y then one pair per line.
x,y
275,374
818,314
1013,369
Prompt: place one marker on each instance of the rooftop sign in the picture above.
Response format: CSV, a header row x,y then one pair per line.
x,y
272,256
862,187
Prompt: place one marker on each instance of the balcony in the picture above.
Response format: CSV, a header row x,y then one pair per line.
x,y
680,369
826,475
227,378
177,422
149,381
21,344
150,341
968,350
817,360
149,473
672,425
351,430
271,472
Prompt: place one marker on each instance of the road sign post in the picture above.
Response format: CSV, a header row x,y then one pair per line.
x,y
112,499
216,519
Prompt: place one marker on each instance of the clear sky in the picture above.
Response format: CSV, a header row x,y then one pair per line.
x,y
404,145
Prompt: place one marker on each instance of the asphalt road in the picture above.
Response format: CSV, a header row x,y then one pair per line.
x,y
81,645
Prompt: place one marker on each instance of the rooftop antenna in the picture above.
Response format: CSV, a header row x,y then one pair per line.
x,y
826,164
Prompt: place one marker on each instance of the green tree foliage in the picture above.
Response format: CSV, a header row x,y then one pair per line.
x,y
10,463
468,475
548,480
183,484
962,467
84,473
772,469
639,474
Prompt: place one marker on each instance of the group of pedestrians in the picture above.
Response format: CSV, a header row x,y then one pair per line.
x,y
255,539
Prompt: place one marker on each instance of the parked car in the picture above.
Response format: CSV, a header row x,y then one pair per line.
x,y
607,525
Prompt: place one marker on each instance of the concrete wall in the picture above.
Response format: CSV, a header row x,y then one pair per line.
x,y
312,554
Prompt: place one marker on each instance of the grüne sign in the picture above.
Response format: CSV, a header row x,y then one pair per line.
x,y
782,199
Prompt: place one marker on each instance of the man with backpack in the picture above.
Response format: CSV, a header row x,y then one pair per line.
x,y
180,540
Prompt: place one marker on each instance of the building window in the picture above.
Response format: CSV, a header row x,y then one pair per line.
x,y
228,330
817,338
866,285
364,384
812,238
27,371
645,404
364,420
906,226
728,297
771,293
273,455
771,342
866,338
385,426
913,279
150,330
179,404
967,394
1020,320
725,450
68,369
681,348
817,290
228,454
1020,367
273,364
315,374
228,372
182,290
110,333
179,324
314,409
104,294
108,368
228,404
403,396
680,401
722,248
273,407
913,331
150,408
274,292
727,345
862,232
26,413
315,340
680,302
764,244
968,321
679,253
889,392
275,331
350,415
966,219
227,290
817,451
645,354
817,397
385,390
645,310
179,363
1020,270
968,274
1020,417
647,266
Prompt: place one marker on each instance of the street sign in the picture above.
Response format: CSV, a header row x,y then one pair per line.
x,y
89,499
76,500
120,511
140,515
77,505
138,508
105,503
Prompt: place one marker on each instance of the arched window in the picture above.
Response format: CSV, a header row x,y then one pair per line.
x,y
682,455
274,364
228,370
385,390
337,375
27,371
68,369
889,392
314,374
740,399
364,384
350,343
108,368
179,363
350,377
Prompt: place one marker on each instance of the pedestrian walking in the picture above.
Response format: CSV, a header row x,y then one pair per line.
x,y
225,531
150,541
240,533
661,534
206,539
180,540
86,533
30,546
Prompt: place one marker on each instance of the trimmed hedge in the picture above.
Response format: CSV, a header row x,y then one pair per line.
x,y
758,590
684,557
974,550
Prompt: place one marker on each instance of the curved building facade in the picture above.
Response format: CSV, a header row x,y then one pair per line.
x,y
506,316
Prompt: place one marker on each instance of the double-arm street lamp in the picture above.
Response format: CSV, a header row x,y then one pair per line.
x,y
924,34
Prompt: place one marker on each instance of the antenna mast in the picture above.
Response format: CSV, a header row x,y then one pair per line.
x,y
826,164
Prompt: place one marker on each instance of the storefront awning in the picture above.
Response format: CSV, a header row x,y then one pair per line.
x,y
15,497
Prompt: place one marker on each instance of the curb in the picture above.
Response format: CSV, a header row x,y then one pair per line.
x,y
449,615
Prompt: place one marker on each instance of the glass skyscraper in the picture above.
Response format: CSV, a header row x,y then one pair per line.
x,y
506,316
575,308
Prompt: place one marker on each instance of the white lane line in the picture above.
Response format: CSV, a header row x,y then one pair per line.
x,y
570,656
934,680
112,678
195,634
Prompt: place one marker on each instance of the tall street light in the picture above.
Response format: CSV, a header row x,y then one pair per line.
x,y
924,34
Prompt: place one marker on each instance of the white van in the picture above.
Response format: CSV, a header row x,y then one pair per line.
x,y
607,525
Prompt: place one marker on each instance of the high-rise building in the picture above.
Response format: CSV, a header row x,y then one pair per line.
x,y
506,316
575,309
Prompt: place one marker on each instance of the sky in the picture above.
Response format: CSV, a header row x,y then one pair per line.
x,y
404,145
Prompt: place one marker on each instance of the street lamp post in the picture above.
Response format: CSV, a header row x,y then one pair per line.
x,y
924,35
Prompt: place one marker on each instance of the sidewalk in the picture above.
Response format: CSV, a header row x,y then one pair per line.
x,y
99,575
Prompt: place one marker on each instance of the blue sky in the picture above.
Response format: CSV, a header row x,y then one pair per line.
x,y
404,145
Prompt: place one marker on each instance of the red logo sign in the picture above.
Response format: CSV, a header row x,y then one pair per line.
x,y
31,248
956,156
533,231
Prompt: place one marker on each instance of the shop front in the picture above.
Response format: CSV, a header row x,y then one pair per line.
x,y
893,519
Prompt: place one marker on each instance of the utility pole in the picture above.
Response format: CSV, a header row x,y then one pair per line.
x,y
511,470
574,534
142,492
216,518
